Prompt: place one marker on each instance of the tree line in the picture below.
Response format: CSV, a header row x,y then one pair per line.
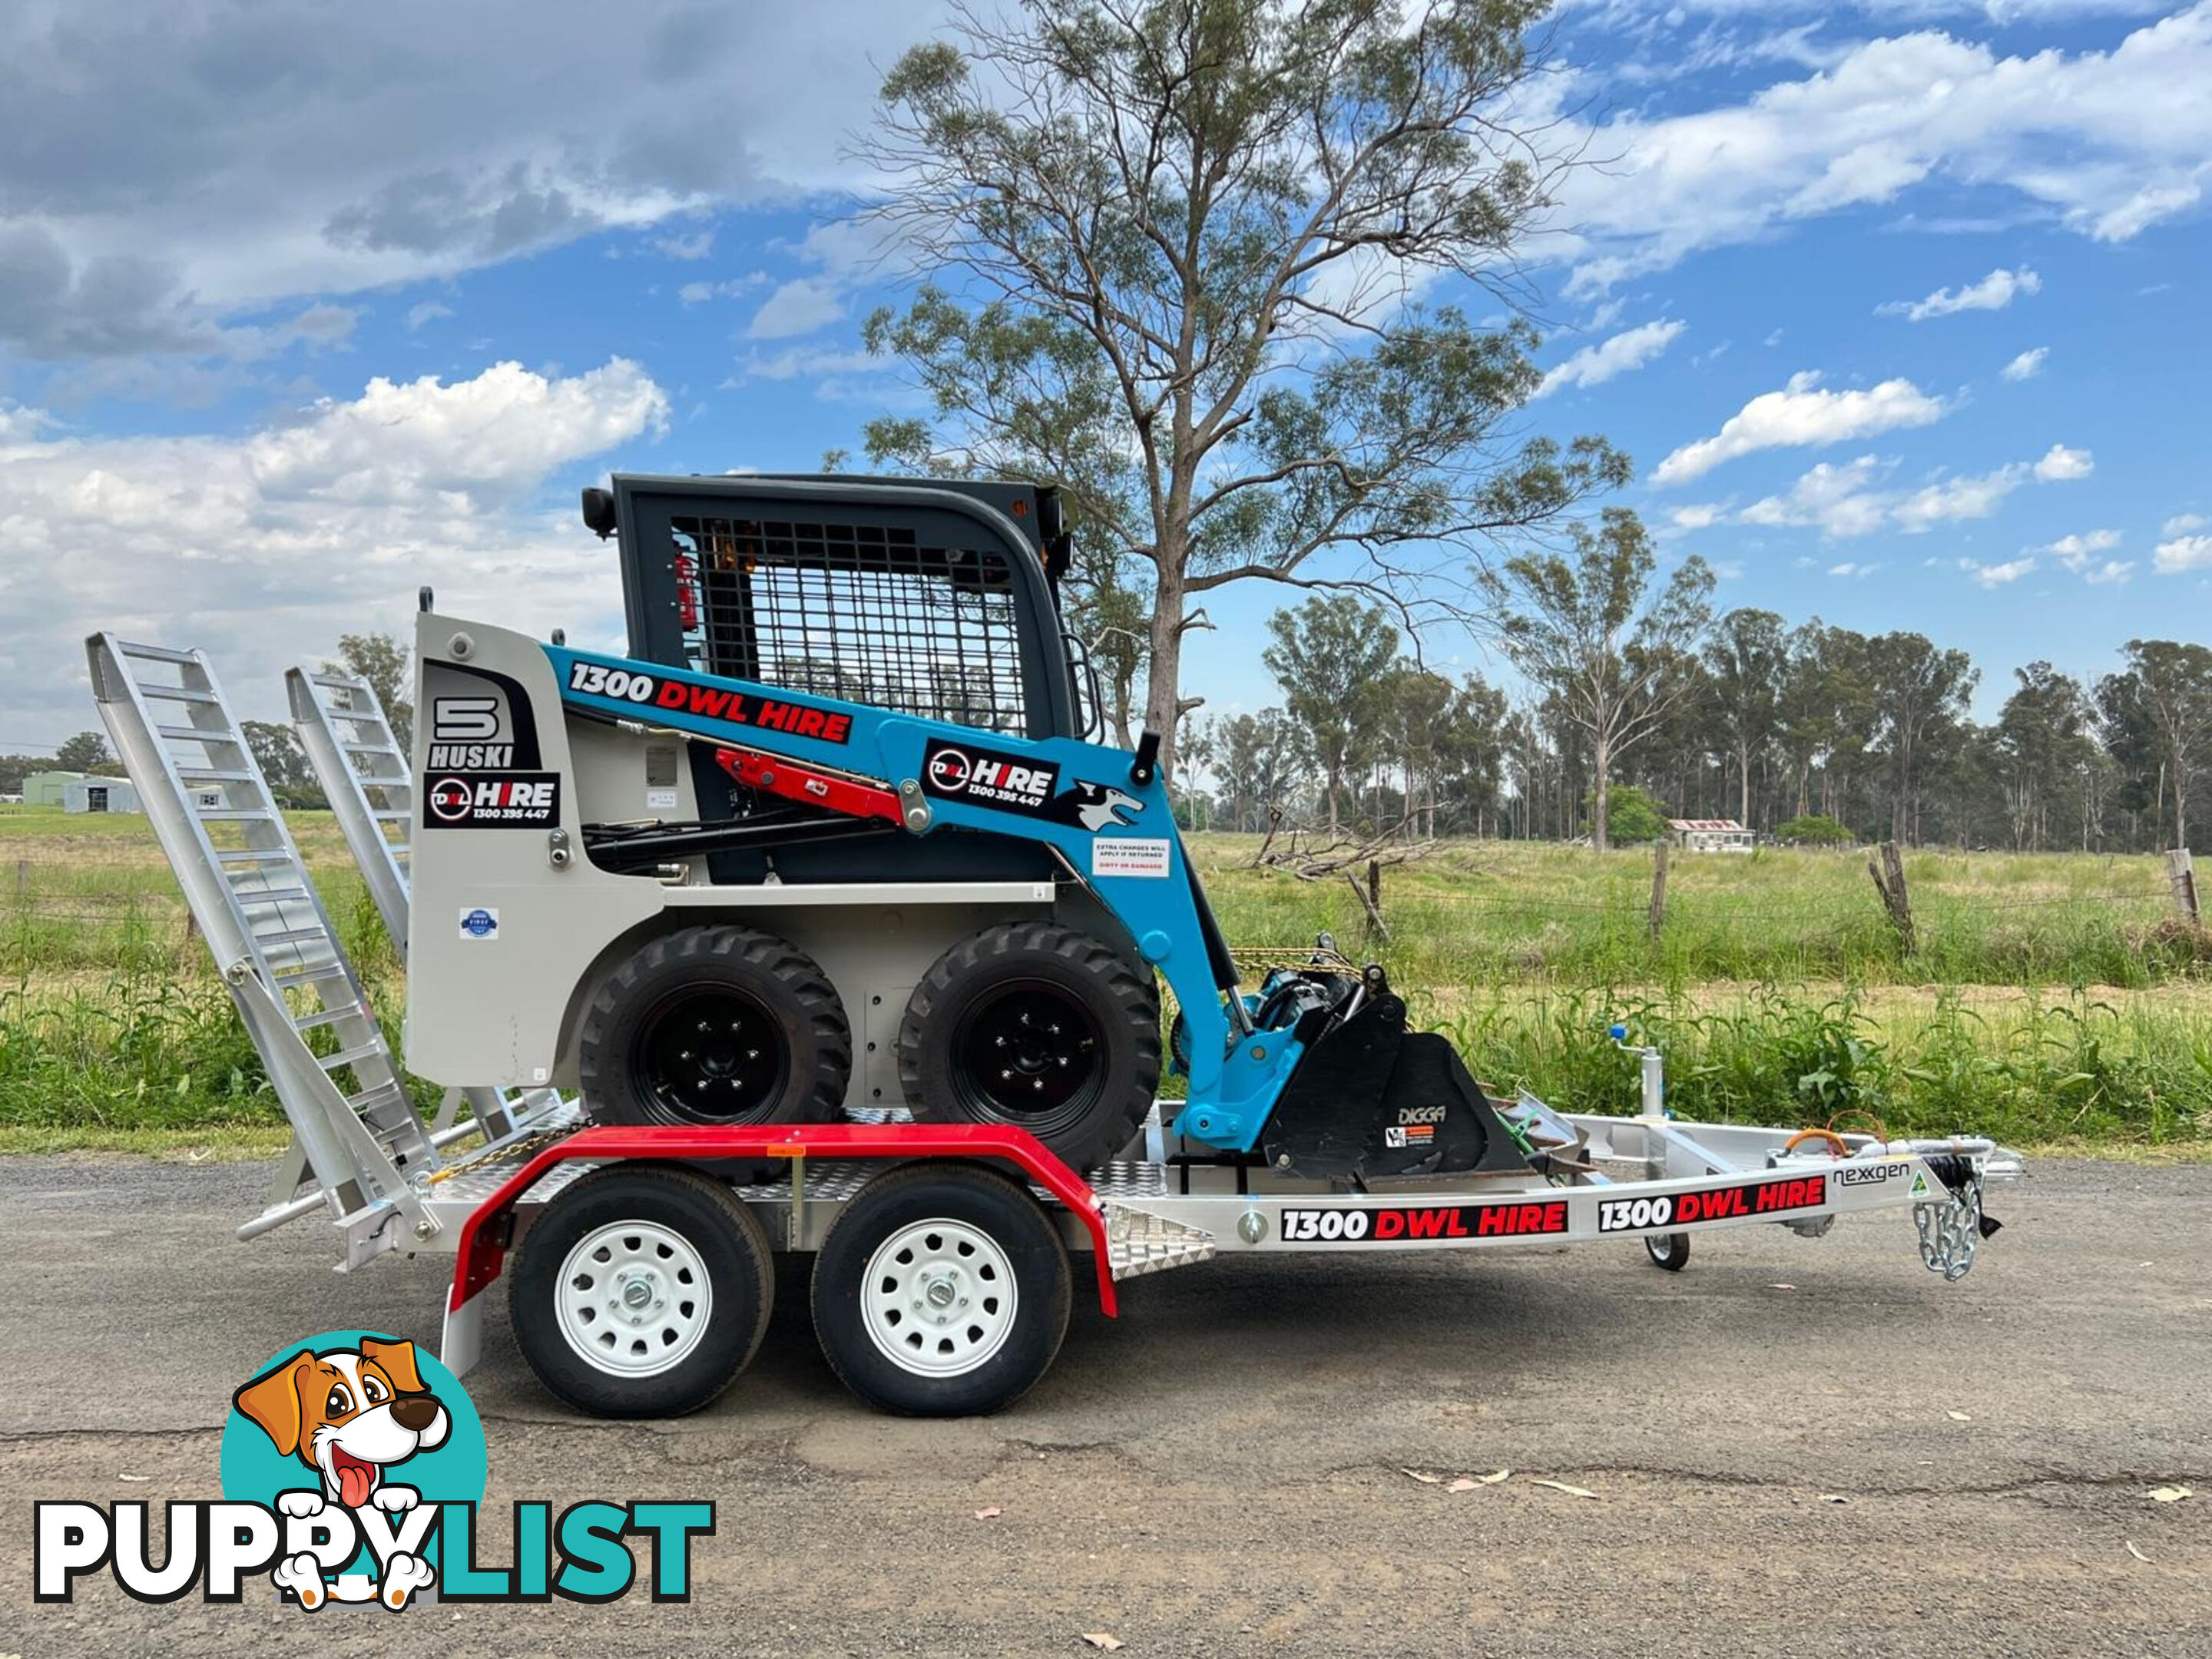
x,y
1812,731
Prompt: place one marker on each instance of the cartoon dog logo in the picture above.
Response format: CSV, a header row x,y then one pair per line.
x,y
1096,806
349,1414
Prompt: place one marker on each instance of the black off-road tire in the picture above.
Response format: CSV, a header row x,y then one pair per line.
x,y
1008,1292
773,1044
679,1228
1037,1026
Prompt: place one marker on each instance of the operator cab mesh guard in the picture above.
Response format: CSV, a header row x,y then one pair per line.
x,y
940,601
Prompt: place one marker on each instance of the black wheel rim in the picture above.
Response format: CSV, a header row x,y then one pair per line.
x,y
1029,1052
710,1054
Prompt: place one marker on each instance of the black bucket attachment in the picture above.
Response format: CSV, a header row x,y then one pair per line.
x,y
1371,1100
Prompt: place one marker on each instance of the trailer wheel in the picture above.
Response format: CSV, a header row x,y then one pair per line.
x,y
1668,1250
942,1291
1038,1026
715,1025
642,1292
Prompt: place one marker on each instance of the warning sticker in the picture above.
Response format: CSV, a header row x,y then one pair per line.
x,y
1129,855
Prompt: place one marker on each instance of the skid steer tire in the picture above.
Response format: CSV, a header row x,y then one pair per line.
x,y
715,1026
1039,1027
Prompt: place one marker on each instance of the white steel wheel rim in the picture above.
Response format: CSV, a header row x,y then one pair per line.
x,y
634,1299
939,1299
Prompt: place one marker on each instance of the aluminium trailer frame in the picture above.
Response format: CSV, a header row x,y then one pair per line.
x,y
1171,1209
378,1172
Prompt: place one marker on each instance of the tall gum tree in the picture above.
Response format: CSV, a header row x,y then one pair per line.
x,y
1613,654
1178,254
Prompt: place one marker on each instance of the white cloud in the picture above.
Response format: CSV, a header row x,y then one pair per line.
x,y
2076,552
1803,414
2144,209
800,307
173,166
2109,141
1993,292
265,547
1850,569
1997,575
1840,500
2113,570
698,292
2171,558
1702,516
1594,365
1975,495
2182,523
2027,365
696,246
2062,465
1848,500
428,312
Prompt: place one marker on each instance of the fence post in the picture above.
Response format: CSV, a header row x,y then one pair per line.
x,y
1889,882
1659,886
2181,873
1370,897
23,875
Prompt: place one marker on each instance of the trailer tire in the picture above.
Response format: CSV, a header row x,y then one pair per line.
x,y
642,1291
1668,1250
1076,1024
773,1044
941,1291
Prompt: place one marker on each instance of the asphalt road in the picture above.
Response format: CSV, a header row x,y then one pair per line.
x,y
1221,1471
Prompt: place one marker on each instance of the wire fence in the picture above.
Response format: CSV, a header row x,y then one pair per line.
x,y
103,899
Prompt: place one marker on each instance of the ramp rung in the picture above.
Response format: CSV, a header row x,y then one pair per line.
x,y
253,855
366,748
198,734
345,1057
231,815
272,896
212,774
290,936
388,814
293,974
323,1017
153,652
177,694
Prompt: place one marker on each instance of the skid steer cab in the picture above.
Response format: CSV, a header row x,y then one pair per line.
x,y
835,840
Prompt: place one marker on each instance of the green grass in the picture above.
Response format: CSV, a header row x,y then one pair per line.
x,y
2052,1000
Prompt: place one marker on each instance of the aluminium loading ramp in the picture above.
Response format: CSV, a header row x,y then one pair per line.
x,y
360,1148
366,775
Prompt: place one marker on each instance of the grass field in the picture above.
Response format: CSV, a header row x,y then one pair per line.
x,y
2050,999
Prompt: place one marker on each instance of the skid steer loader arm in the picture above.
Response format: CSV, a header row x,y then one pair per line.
x,y
1103,811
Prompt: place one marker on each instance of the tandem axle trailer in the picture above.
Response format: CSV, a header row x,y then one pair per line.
x,y
639,1258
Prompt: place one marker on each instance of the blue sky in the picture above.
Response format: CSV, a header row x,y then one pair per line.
x,y
1897,308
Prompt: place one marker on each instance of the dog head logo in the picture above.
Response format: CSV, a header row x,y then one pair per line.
x,y
349,1414
1098,806
361,1437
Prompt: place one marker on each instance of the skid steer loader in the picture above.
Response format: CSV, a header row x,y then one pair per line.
x,y
835,838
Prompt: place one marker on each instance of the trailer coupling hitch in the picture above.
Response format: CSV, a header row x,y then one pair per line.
x,y
1953,1225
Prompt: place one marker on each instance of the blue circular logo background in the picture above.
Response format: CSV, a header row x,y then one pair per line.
x,y
478,922
254,1471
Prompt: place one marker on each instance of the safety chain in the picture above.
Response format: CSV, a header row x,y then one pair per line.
x,y
520,1150
1950,1230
